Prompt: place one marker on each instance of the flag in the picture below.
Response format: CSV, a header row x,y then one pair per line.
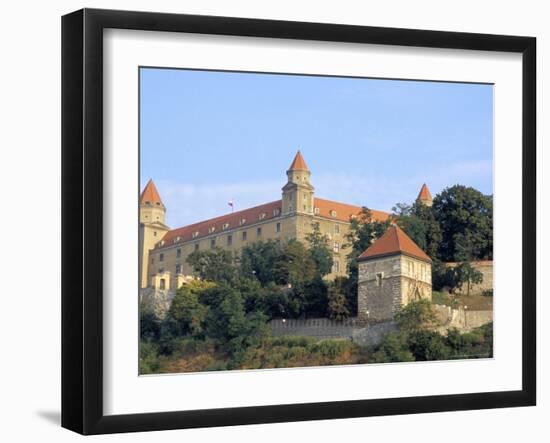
x,y
230,203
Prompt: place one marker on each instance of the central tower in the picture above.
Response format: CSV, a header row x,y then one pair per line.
x,y
298,191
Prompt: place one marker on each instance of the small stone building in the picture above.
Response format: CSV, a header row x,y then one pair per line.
x,y
393,272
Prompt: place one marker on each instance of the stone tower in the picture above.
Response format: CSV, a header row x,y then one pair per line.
x,y
298,191
393,272
424,196
152,227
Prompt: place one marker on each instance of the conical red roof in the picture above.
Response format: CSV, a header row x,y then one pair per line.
x,y
150,195
424,193
298,163
394,241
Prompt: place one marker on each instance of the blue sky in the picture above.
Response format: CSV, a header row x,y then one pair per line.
x,y
208,137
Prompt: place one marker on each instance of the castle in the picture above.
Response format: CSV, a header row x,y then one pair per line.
x,y
163,251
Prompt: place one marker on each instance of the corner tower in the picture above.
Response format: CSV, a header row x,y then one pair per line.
x,y
424,196
298,191
152,227
393,272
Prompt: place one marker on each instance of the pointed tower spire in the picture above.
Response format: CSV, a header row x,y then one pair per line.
x,y
298,192
424,196
150,195
298,164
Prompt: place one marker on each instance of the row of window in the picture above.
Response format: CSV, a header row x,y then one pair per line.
x,y
229,240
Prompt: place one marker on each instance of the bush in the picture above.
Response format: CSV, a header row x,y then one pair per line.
x,y
428,345
416,316
394,348
148,358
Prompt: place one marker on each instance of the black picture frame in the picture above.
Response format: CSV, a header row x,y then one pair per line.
x,y
82,216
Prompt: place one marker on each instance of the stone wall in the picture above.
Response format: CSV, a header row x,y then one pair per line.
x,y
462,319
323,328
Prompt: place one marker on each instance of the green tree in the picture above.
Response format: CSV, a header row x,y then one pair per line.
x,y
257,260
294,265
465,216
465,274
417,315
186,315
215,265
337,308
319,250
228,323
419,222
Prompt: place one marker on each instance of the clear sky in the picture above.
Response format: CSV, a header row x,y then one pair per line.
x,y
211,137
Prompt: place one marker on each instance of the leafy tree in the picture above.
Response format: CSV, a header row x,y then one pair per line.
x,y
149,324
227,321
294,265
337,308
465,274
319,250
419,222
315,297
186,314
415,316
257,260
465,216
215,265
443,276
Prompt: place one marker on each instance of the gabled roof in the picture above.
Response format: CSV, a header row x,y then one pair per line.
x,y
394,241
150,195
298,163
424,193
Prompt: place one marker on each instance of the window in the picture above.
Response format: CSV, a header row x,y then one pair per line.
x,y
276,212
154,233
178,269
261,216
161,257
178,238
335,266
336,247
161,270
244,235
337,229
333,213
225,226
152,260
178,252
196,246
211,229
379,277
243,221
212,243
316,211
278,227
162,283
195,234
229,240
259,232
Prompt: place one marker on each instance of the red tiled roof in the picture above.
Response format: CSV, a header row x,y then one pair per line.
x,y
298,163
233,220
394,241
424,193
150,194
344,211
